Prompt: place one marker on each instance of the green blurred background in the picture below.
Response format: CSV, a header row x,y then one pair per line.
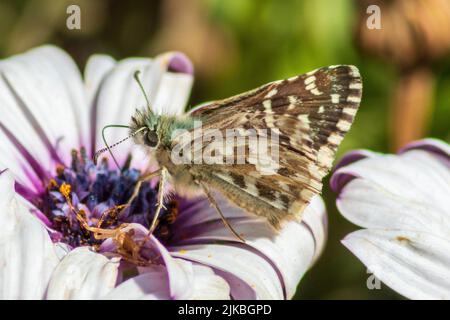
x,y
237,45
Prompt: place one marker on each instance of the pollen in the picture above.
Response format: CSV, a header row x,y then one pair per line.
x,y
65,190
52,184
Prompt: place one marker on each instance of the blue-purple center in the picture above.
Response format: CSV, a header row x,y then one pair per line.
x,y
98,194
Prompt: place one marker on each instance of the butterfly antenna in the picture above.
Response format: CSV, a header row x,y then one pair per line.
x,y
109,147
136,77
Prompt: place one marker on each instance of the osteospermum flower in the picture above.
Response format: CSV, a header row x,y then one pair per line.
x,y
403,201
52,196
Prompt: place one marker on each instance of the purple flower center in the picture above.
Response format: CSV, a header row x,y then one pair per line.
x,y
86,196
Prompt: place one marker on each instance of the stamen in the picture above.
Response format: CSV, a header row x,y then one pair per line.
x,y
52,184
60,170
65,189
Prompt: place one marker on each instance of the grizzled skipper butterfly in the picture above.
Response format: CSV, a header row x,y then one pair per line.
x,y
308,115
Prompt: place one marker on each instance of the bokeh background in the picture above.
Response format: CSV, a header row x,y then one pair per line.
x,y
237,45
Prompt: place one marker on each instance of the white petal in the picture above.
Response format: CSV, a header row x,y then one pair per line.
x,y
316,219
120,95
239,289
415,175
292,250
62,249
97,68
371,206
207,285
43,102
410,192
154,284
173,93
17,164
180,278
27,255
415,264
180,275
83,274
246,265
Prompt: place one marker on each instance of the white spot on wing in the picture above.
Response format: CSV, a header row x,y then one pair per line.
x,y
267,104
310,86
350,111
270,121
335,98
310,80
316,92
343,125
303,118
355,85
325,156
355,71
355,99
335,138
293,102
271,93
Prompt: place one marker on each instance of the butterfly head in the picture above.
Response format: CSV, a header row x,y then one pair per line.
x,y
143,128
144,123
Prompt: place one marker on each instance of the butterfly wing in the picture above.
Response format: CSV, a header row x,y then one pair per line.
x,y
309,116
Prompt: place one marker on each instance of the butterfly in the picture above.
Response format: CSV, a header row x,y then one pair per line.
x,y
307,117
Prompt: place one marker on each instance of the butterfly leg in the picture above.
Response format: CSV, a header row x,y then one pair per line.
x,y
216,206
159,205
138,185
160,202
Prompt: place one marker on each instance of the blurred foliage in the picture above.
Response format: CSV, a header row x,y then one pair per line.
x,y
237,45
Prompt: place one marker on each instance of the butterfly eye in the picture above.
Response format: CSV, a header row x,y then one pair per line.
x,y
151,138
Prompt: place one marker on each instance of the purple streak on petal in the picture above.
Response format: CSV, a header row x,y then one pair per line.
x,y
38,214
188,206
242,246
56,236
339,180
436,147
35,181
25,192
32,120
32,197
313,235
93,114
180,63
239,289
351,157
107,246
182,235
193,234
38,169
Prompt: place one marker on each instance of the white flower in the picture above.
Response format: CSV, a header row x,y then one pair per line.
x,y
403,201
49,127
